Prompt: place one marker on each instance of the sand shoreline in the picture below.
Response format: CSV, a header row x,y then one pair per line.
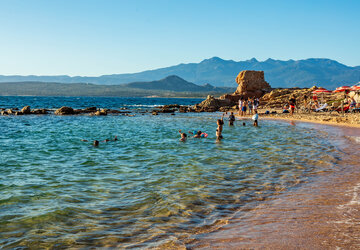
x,y
351,120
323,213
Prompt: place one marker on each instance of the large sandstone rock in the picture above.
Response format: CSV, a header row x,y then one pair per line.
x,y
65,111
251,84
211,104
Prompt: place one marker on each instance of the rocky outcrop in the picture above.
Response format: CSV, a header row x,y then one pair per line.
x,y
212,104
101,112
26,110
65,111
251,84
277,98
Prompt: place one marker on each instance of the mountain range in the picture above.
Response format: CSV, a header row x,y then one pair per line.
x,y
171,86
218,72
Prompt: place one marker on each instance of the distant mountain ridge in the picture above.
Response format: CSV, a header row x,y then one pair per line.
x,y
177,84
218,72
170,86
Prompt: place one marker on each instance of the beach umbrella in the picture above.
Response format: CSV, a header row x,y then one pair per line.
x,y
355,88
322,91
342,89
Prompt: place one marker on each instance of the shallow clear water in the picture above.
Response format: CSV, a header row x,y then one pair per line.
x,y
146,189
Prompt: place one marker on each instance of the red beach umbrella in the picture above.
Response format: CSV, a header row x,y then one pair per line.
x,y
321,90
342,89
355,88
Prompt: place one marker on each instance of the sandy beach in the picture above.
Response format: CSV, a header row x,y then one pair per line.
x,y
323,214
326,118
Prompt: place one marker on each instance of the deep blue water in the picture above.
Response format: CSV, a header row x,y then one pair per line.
x,y
146,189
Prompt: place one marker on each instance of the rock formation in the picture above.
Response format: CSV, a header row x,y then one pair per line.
x,y
26,110
212,104
251,84
64,111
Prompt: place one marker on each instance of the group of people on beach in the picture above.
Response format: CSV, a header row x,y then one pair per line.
x,y
220,124
250,104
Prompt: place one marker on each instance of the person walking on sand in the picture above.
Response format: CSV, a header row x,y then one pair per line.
x,y
250,105
243,109
240,106
292,103
256,103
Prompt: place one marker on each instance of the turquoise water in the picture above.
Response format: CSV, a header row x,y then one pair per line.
x,y
146,189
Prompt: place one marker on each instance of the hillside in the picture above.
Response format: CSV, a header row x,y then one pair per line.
x,y
218,72
172,86
175,83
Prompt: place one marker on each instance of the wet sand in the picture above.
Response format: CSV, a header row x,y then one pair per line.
x,y
323,213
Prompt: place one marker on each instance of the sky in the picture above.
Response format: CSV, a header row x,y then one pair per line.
x,y
91,38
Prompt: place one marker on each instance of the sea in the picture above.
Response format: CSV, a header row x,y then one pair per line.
x,y
147,189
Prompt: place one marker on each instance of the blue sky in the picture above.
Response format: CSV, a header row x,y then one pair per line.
x,y
78,37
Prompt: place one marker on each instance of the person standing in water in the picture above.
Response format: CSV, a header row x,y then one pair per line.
x,y
220,123
255,119
231,119
183,136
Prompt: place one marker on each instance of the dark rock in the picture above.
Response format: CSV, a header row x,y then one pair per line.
x,y
65,111
39,111
26,110
90,109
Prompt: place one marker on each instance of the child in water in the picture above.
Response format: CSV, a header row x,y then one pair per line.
x,y
198,134
183,136
220,123
231,119
255,119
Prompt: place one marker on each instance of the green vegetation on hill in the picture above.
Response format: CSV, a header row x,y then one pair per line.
x,y
85,89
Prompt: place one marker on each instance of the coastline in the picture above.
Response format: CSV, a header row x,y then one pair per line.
x,y
351,120
321,213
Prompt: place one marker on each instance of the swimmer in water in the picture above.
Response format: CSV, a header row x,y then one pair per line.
x,y
197,134
107,140
183,136
95,143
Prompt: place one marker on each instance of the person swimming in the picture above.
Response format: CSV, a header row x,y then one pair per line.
x,y
198,134
96,142
183,136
